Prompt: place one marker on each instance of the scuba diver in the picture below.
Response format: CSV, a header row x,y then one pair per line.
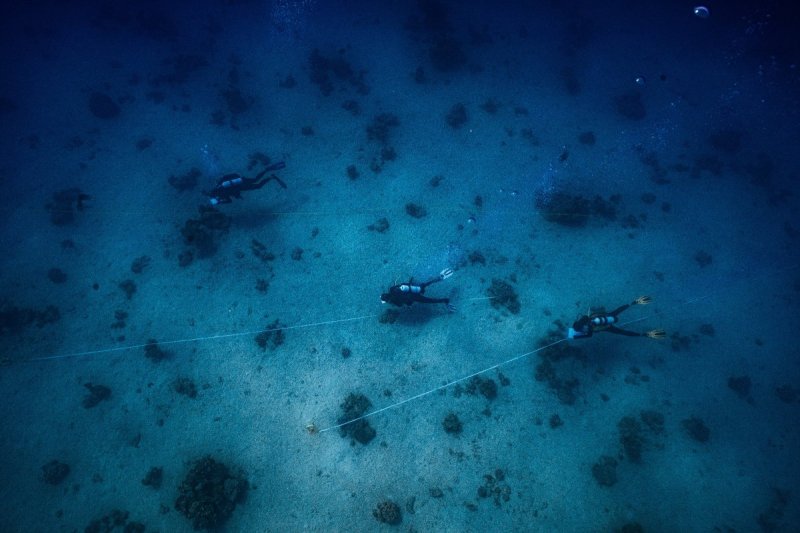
x,y
586,325
408,293
231,186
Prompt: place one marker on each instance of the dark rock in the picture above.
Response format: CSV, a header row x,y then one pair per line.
x,y
446,54
114,521
773,518
102,106
588,138
97,394
154,477
707,329
201,232
139,264
144,143
237,103
186,182
322,68
703,258
352,107
388,512
495,488
555,421
260,251
740,385
56,275
388,153
389,316
564,209
786,393
452,424
381,225
727,141
490,106
416,210
380,127
488,388
128,287
154,352
15,319
476,257
185,258
605,471
64,204
630,435
54,472
648,198
696,429
185,386
288,82
354,407
209,493
503,295
653,420
566,389
272,336
607,209
630,105
7,105
457,116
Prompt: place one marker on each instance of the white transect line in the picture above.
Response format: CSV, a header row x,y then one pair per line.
x,y
440,387
197,339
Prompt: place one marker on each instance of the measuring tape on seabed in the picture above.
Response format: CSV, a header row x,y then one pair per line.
x,y
311,428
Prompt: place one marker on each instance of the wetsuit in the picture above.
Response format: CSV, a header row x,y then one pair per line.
x,y
586,325
408,293
231,185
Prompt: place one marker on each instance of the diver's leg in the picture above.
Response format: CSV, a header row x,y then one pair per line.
x,y
251,184
276,178
276,166
443,275
619,331
425,300
618,310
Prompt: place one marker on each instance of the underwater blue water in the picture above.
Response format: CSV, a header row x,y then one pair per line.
x,y
172,365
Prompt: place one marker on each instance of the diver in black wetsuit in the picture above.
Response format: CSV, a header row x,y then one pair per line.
x,y
408,293
231,185
586,325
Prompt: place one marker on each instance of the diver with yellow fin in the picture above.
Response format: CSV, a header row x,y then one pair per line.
x,y
586,325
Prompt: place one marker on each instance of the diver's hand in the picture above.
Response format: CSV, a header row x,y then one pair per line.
x,y
451,308
446,273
